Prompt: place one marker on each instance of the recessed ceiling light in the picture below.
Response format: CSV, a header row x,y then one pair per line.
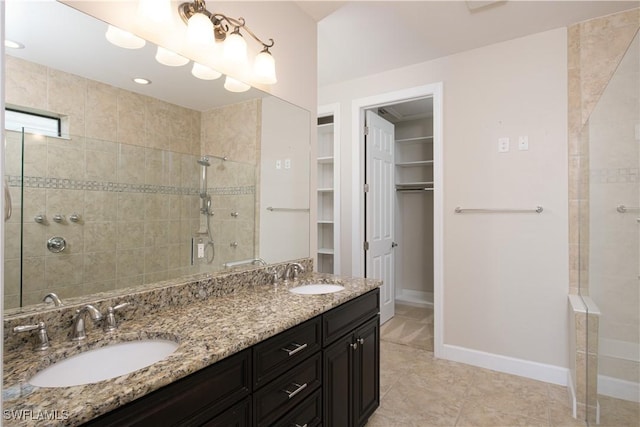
x,y
13,44
142,81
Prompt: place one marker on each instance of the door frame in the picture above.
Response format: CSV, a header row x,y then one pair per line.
x,y
358,108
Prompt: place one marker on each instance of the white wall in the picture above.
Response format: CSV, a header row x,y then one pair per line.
x,y
505,275
284,137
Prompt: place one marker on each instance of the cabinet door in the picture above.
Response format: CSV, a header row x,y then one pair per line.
x,y
338,383
367,371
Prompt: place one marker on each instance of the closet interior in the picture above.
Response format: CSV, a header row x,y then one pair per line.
x,y
413,223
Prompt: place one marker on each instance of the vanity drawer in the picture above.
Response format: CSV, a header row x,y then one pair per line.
x,y
189,401
281,395
280,353
308,413
238,415
349,315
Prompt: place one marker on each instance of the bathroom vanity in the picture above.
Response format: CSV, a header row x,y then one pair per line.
x,y
248,355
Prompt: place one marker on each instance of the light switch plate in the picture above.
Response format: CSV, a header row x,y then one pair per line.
x,y
523,143
503,145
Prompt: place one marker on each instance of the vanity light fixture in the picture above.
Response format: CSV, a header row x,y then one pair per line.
x,y
228,31
170,58
124,38
233,85
11,44
205,73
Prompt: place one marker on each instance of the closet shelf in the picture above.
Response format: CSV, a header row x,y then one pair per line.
x,y
414,185
325,251
325,221
420,139
325,159
415,163
325,190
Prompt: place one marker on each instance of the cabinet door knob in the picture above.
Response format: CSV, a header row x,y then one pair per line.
x,y
361,341
354,346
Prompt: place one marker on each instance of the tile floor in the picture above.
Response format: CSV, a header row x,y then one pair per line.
x,y
418,390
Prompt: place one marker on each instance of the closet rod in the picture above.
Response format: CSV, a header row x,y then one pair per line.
x,y
538,209
624,209
413,190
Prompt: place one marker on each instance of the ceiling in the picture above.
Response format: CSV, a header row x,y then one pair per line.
x,y
355,38
359,38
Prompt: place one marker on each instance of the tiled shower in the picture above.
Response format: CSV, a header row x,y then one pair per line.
x,y
121,187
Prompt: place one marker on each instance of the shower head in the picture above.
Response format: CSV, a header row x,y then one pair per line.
x,y
204,161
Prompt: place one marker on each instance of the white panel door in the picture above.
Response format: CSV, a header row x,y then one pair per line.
x,y
380,208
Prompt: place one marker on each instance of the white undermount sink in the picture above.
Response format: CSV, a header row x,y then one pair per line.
x,y
316,289
104,363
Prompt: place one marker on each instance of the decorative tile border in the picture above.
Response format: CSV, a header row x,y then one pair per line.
x,y
117,187
614,176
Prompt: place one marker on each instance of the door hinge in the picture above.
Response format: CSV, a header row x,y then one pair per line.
x,y
366,188
366,130
366,246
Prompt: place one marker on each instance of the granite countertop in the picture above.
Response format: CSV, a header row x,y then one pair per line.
x,y
207,331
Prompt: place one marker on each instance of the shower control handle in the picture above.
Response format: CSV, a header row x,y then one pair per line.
x,y
56,244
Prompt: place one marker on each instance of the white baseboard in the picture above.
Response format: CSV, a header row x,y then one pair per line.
x,y
509,365
415,298
620,389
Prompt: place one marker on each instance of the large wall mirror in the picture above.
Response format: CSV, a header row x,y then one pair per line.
x,y
142,183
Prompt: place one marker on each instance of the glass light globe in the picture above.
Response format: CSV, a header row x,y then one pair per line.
x,y
123,38
233,85
200,29
235,49
205,73
264,68
172,59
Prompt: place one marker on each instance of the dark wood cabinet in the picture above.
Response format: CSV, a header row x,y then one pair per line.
x,y
190,401
323,372
351,363
351,381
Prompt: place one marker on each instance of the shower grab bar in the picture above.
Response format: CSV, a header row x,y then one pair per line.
x,y
538,209
254,261
625,209
8,209
288,209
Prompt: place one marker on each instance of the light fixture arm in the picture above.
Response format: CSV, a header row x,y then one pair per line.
x,y
221,22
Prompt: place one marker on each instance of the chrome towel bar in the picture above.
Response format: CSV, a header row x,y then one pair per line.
x,y
288,209
538,209
625,209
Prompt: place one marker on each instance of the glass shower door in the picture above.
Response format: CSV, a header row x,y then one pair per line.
x,y
614,244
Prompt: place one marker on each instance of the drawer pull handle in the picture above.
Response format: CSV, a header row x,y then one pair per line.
x,y
299,388
298,347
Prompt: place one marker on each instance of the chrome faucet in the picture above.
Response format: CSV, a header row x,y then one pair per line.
x,y
292,270
42,341
78,332
53,298
110,324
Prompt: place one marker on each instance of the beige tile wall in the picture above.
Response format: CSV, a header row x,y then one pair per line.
x,y
128,167
595,48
